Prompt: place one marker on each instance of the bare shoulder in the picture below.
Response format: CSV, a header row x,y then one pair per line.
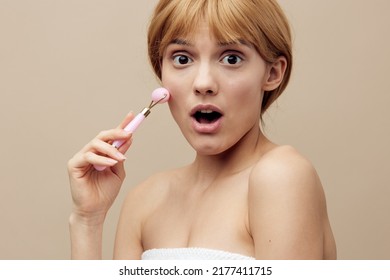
x,y
284,169
287,209
139,202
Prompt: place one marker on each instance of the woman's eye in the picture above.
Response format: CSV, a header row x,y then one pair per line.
x,y
181,59
231,59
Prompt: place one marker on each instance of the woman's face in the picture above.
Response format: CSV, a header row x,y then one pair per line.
x,y
216,90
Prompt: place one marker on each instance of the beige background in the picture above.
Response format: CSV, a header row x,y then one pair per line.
x,y
70,68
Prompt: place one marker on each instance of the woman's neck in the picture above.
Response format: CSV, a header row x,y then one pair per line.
x,y
239,157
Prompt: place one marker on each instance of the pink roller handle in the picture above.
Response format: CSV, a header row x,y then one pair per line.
x,y
131,127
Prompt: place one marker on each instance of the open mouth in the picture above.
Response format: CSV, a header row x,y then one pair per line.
x,y
206,116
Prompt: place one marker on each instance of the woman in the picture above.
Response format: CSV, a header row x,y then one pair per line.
x,y
243,196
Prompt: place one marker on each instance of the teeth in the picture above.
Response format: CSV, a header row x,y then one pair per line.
x,y
206,111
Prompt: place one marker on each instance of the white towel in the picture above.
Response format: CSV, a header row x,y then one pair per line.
x,y
191,254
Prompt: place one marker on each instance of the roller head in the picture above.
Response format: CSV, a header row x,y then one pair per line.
x,y
160,95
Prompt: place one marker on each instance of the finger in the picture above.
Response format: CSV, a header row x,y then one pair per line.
x,y
98,153
113,134
119,170
84,160
107,136
129,117
98,160
103,148
125,146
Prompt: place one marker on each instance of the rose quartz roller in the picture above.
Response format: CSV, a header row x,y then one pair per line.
x,y
159,95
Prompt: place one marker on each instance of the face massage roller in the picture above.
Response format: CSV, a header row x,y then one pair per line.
x,y
159,95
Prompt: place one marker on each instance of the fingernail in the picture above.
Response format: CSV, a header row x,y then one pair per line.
x,y
111,161
120,156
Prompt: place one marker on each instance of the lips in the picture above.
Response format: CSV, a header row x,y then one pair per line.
x,y
206,118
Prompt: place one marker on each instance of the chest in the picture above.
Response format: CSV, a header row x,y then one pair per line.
x,y
216,217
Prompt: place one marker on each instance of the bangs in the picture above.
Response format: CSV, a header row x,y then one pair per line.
x,y
225,18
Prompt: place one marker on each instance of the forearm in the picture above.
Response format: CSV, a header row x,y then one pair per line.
x,y
86,238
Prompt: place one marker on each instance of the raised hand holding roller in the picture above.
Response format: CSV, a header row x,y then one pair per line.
x,y
159,95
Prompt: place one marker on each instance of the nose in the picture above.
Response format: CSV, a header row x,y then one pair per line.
x,y
205,81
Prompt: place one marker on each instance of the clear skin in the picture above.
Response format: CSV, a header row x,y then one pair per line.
x,y
242,194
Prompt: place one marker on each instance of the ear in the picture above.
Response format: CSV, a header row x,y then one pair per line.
x,y
275,74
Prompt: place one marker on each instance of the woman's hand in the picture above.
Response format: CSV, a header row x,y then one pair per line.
x,y
93,192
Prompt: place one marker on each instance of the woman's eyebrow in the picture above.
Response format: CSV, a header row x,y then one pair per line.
x,y
184,42
181,42
235,42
